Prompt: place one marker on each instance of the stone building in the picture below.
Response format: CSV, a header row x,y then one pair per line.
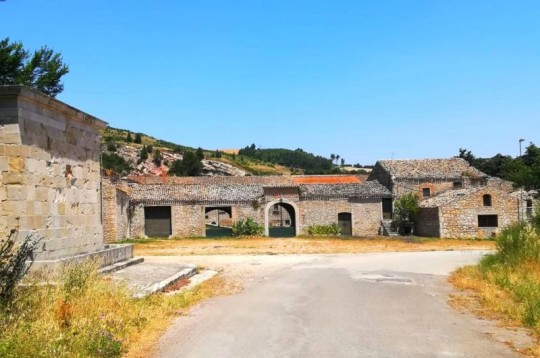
x,y
456,199
284,205
50,175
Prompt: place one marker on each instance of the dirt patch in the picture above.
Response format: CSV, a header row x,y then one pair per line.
x,y
272,246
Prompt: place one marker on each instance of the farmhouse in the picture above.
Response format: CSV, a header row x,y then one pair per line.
x,y
284,205
457,200
50,176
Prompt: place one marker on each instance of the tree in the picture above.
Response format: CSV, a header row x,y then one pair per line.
x,y
41,71
138,138
115,163
342,162
143,154
200,154
190,165
157,157
525,171
332,157
129,139
405,209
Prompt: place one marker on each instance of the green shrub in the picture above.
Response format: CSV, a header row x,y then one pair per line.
x,y
324,230
115,163
518,243
248,227
13,263
111,147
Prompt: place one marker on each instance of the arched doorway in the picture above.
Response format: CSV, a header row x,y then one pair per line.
x,y
280,219
345,224
218,221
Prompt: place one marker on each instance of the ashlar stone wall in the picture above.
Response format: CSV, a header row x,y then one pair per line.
x,y
50,172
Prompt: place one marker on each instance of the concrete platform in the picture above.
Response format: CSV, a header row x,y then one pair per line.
x,y
147,278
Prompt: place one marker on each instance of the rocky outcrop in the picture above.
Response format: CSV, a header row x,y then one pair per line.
x,y
130,152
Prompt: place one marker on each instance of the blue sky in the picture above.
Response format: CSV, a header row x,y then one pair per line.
x,y
366,80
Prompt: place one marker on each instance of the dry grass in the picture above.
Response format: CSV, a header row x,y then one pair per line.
x,y
87,315
264,245
144,342
496,295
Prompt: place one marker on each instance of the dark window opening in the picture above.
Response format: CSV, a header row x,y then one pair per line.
x,y
487,200
458,185
426,192
529,208
488,221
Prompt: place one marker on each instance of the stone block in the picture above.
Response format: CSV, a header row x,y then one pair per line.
x,y
16,164
16,192
4,164
13,178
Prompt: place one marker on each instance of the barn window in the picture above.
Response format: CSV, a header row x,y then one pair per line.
x,y
488,221
487,200
529,208
426,192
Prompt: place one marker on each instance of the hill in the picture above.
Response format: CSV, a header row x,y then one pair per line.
x,y
124,151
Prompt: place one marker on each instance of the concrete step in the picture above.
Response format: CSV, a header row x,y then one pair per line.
x,y
148,278
120,265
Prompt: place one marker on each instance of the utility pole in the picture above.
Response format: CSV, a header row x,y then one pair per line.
x,y
520,206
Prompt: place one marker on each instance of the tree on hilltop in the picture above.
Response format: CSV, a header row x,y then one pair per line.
x,y
41,71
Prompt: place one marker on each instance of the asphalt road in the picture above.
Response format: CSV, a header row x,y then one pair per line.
x,y
369,305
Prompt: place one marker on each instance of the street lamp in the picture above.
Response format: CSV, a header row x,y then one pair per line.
x,y
520,207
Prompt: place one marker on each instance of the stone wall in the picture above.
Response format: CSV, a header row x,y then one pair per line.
x,y
427,222
189,219
322,212
460,218
243,212
405,186
366,214
109,207
50,172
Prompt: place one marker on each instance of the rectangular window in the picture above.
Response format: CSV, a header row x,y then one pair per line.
x,y
426,192
488,221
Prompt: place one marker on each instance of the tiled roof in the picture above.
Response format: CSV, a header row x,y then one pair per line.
x,y
270,180
170,194
178,194
328,179
266,180
430,168
370,189
448,197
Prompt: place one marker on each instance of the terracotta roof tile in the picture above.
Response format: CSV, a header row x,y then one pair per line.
x,y
330,179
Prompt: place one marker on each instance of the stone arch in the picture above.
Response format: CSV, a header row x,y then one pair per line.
x,y
295,215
